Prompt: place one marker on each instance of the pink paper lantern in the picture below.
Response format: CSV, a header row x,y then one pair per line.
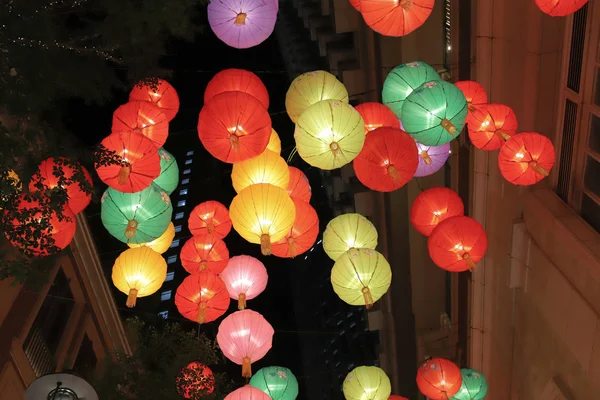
x,y
242,23
431,158
247,393
245,278
245,337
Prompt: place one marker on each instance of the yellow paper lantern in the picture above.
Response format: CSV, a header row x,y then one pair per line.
x,y
262,214
274,142
348,231
310,88
361,276
367,383
268,167
161,243
329,134
139,272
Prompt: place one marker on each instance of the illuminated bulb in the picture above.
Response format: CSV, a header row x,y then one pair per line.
x,y
520,155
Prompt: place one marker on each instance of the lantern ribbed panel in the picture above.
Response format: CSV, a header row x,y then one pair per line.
x,y
303,234
204,252
247,393
474,93
491,125
367,383
204,289
439,379
377,115
267,167
162,95
348,231
560,8
169,172
278,382
395,18
433,206
142,117
274,142
160,244
474,385
299,187
210,217
245,275
431,158
141,269
526,158
237,80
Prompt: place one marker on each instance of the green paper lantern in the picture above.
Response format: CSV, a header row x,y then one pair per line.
x,y
402,80
138,217
474,386
278,382
169,172
434,114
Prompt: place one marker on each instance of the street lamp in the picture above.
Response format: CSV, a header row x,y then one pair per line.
x,y
60,387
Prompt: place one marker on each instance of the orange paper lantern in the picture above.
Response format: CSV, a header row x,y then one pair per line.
x,y
395,17
457,244
142,117
491,125
433,206
439,379
299,187
237,80
202,297
377,115
526,158
303,234
210,217
560,8
162,95
355,4
204,252
474,93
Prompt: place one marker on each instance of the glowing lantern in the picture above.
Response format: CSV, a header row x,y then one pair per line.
x,y
457,244
310,88
474,385
329,134
234,126
433,206
355,4
245,337
387,161
160,244
299,187
434,113
560,8
439,379
247,393
210,217
303,234
377,115
278,382
137,217
348,231
162,94
267,167
526,158
237,80
395,17
139,166
195,380
55,235
245,278
204,252
491,125
431,158
138,273
202,297
78,198
364,383
475,94
242,23
262,214
361,276
402,80
274,142
169,172
142,117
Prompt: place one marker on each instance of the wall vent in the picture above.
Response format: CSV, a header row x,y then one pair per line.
x,y
577,48
566,150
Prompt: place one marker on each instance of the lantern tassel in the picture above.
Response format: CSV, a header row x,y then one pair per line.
x,y
538,168
393,172
472,108
131,298
502,134
210,227
235,142
246,367
203,265
335,148
445,396
265,245
469,261
240,19
292,252
131,229
368,297
123,174
201,312
425,156
241,301
448,126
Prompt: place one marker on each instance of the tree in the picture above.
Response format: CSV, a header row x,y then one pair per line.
x,y
159,355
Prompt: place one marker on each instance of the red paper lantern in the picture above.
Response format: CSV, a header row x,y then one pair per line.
x,y
355,4
61,232
142,117
433,206
388,160
202,297
299,187
204,253
377,115
195,380
78,198
140,162
234,126
439,379
395,17
491,125
526,158
303,234
560,8
162,95
475,95
457,244
210,217
237,80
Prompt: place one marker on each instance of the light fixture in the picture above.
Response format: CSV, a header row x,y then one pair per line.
x,y
61,386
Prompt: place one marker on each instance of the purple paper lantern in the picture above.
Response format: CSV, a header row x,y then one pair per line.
x,y
242,23
431,158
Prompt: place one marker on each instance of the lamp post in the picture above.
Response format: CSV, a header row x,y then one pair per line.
x,y
60,386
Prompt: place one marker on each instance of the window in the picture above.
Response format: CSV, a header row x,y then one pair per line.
x,y
174,244
172,259
177,228
187,171
86,358
170,276
183,192
190,153
166,295
179,215
188,161
181,203
185,181
164,314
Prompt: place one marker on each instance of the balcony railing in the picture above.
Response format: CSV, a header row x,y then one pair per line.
x,y
39,355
